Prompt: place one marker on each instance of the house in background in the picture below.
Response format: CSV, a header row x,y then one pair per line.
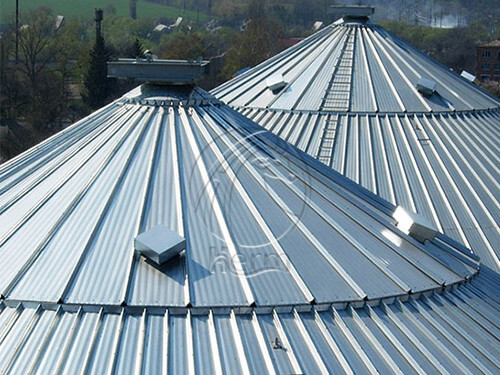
x,y
488,61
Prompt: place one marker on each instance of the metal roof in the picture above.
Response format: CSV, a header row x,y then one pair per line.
x,y
351,102
436,155
354,66
453,332
265,225
289,266
443,166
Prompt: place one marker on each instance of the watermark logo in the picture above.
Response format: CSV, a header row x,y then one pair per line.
x,y
250,265
238,183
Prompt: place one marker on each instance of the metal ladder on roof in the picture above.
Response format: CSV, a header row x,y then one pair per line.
x,y
338,93
325,149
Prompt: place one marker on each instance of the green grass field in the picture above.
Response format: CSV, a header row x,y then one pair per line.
x,y
85,8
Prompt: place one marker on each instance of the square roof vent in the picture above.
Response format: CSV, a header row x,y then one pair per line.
x,y
414,224
275,82
426,86
159,244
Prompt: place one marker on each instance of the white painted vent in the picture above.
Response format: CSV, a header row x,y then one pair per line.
x,y
468,76
159,244
414,224
275,82
426,86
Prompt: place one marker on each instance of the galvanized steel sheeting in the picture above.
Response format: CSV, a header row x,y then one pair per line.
x,y
443,166
354,67
455,331
263,225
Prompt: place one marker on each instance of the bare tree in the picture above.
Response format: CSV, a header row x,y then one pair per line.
x,y
35,40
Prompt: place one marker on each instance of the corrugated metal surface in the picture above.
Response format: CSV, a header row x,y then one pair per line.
x,y
456,331
435,155
377,73
443,166
422,154
290,267
261,221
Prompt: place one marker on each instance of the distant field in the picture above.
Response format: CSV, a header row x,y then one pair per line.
x,y
85,8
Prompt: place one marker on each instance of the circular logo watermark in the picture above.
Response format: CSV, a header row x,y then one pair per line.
x,y
248,194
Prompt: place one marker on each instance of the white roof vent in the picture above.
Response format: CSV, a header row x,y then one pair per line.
x,y
426,86
414,224
159,244
275,82
317,25
468,76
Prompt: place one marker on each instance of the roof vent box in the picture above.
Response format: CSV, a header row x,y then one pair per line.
x,y
426,86
275,82
468,76
159,244
414,224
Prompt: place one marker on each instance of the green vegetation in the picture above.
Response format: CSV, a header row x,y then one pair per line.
x,y
58,77
454,48
85,8
98,88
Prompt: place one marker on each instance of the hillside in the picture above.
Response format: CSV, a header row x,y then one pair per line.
x,y
69,8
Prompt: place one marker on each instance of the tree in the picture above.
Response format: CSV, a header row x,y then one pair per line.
x,y
97,86
183,45
35,41
257,43
136,50
40,88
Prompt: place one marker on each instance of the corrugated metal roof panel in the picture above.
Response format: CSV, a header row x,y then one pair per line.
x,y
453,331
259,218
384,69
440,165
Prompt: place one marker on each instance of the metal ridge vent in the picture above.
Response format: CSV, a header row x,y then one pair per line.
x,y
351,11
276,82
426,86
177,72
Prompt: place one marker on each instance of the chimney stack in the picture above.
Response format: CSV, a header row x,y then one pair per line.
x,y
98,20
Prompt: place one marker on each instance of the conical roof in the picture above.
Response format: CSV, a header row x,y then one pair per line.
x,y
432,154
353,66
260,222
288,267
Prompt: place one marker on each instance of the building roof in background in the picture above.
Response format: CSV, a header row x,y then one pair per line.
x,y
436,155
354,66
493,43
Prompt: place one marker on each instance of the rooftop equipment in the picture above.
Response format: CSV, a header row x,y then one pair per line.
x,y
414,225
426,86
159,71
468,76
276,82
159,244
353,11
